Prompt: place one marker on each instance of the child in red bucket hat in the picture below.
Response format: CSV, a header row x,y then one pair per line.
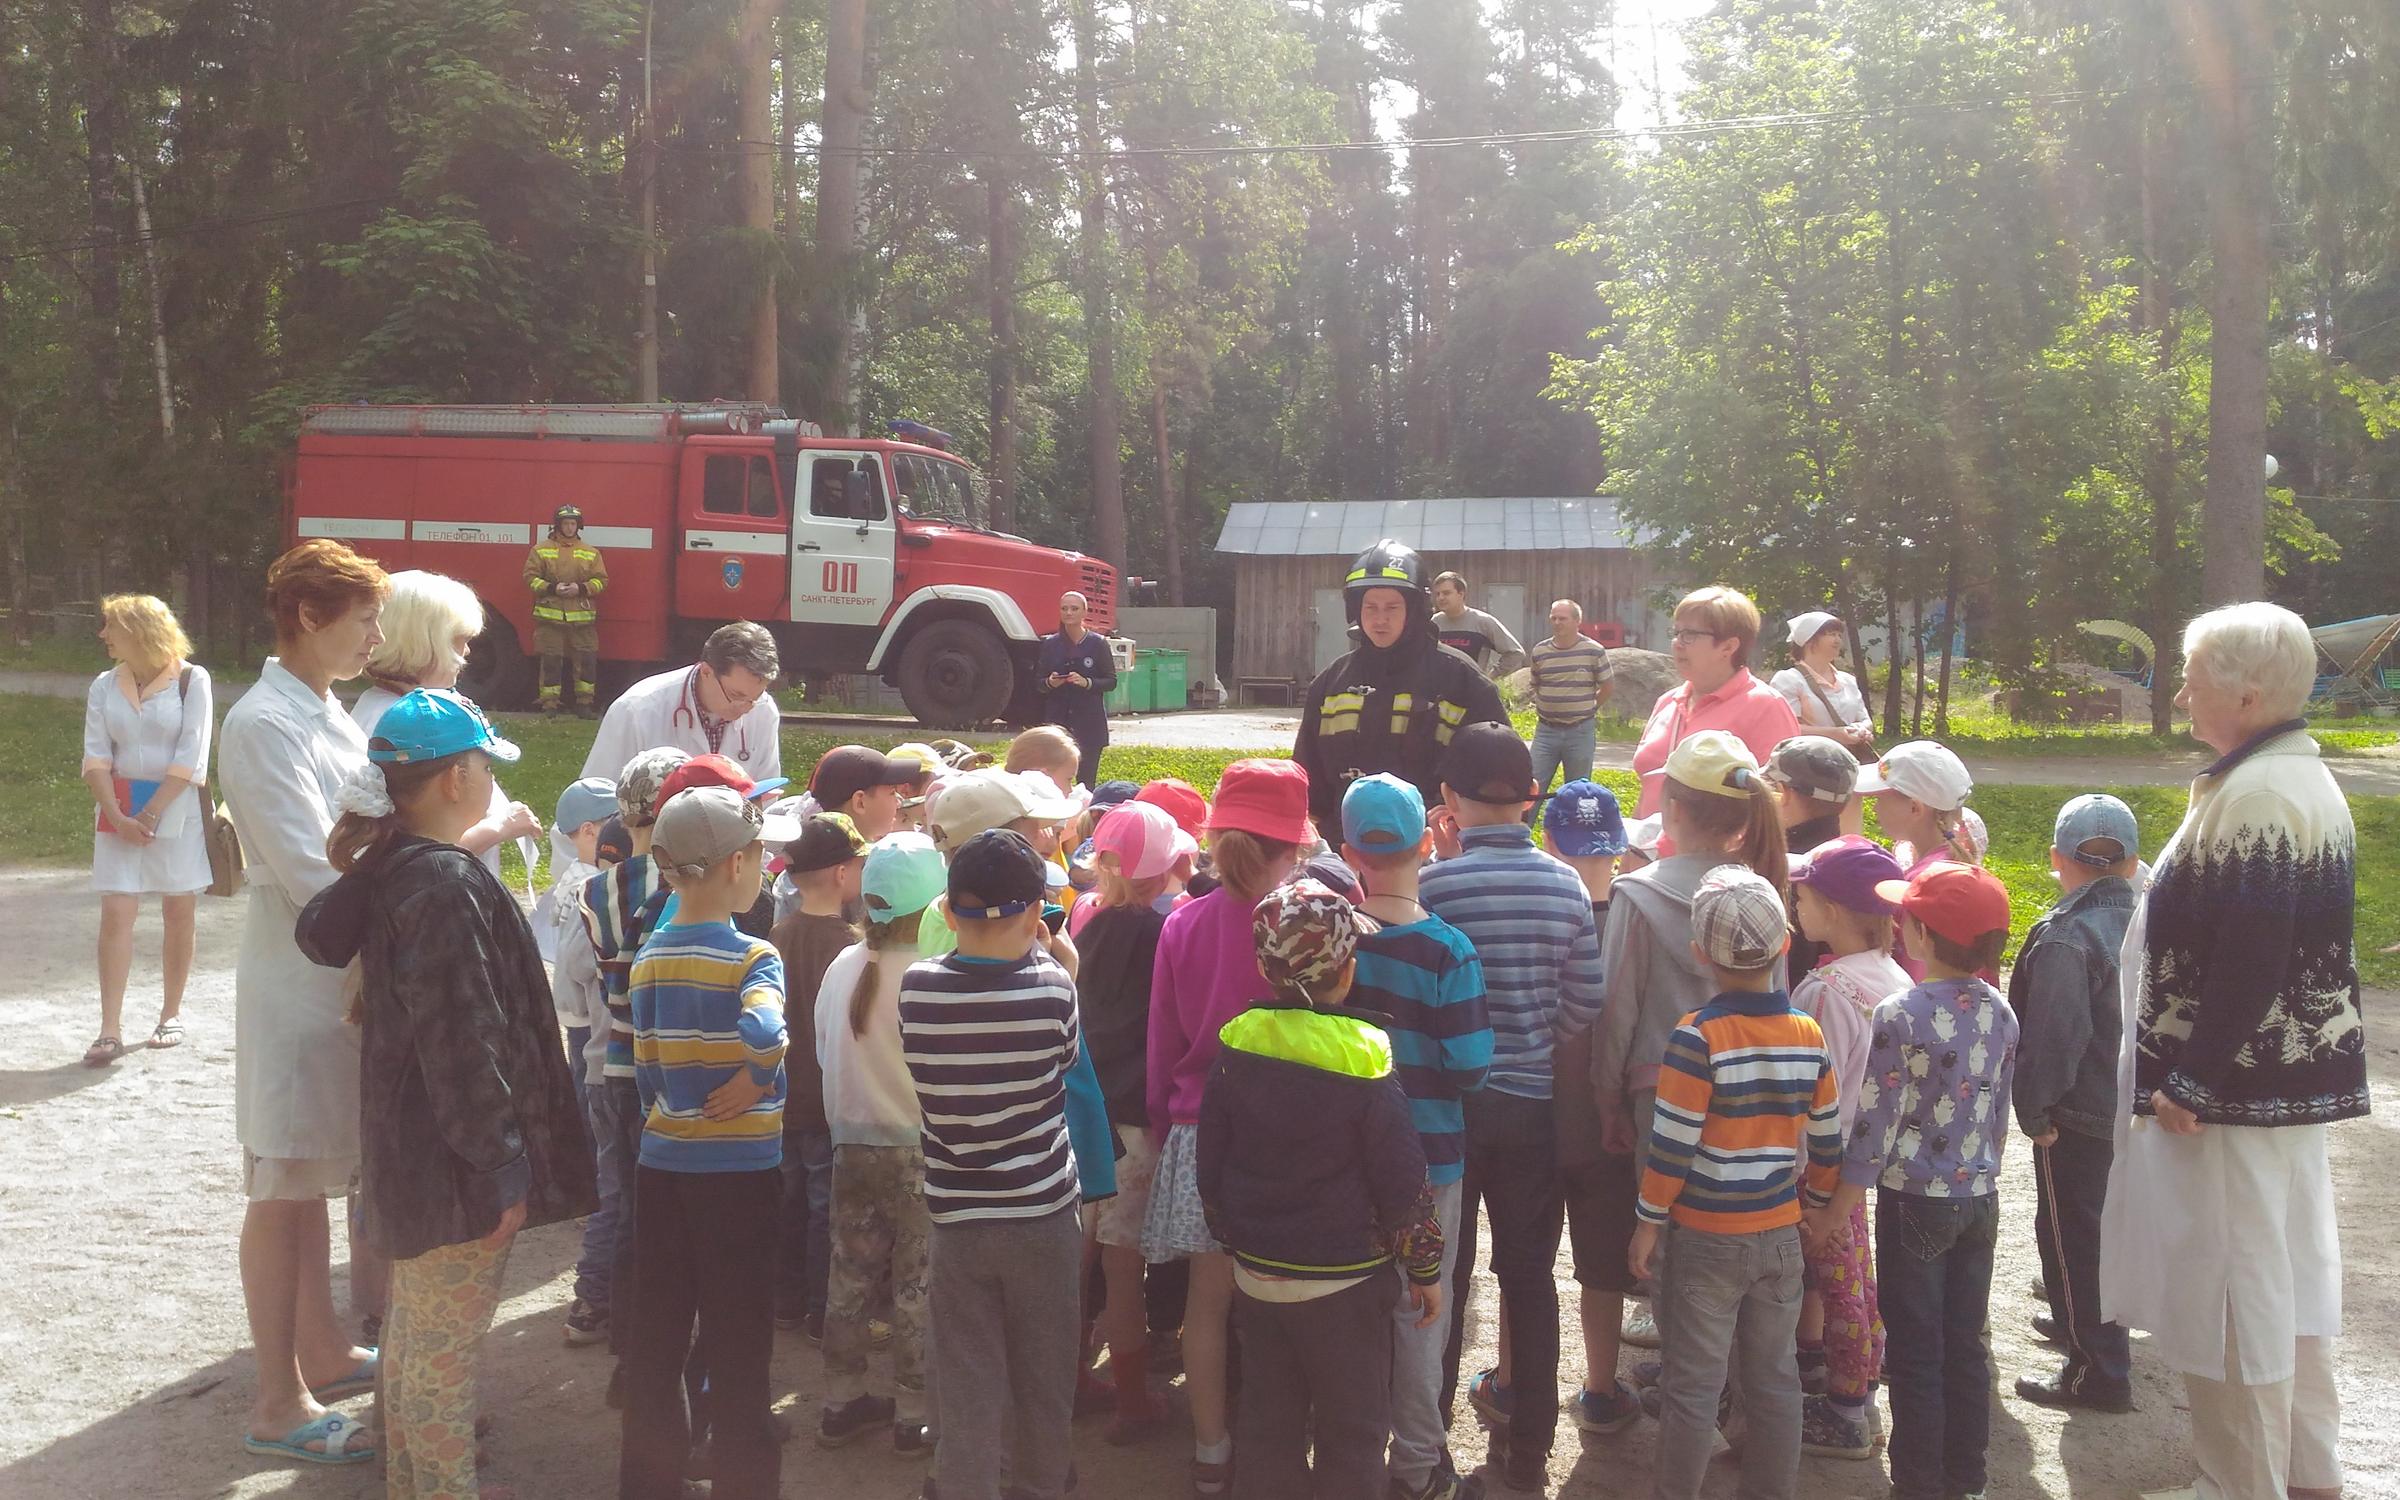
x,y
1207,974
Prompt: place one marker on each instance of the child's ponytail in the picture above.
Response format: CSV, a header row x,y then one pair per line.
x,y
1763,847
1750,828
369,802
880,935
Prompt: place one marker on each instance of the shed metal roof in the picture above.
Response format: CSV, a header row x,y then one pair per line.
x,y
1327,528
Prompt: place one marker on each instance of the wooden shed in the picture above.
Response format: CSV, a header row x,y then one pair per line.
x,y
1516,553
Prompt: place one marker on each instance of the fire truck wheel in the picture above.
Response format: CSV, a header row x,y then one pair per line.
x,y
498,674
955,674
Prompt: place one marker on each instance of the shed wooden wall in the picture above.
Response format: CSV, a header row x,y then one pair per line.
x,y
1275,627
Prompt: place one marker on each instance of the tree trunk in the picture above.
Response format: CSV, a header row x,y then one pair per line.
x,y
193,585
2236,50
1001,297
1941,709
2159,480
1894,663
754,58
100,125
842,132
1916,648
1099,317
1169,525
787,125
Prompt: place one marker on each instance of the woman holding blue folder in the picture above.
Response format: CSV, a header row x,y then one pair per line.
x,y
146,728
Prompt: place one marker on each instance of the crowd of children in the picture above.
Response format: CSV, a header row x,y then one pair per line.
x,y
1014,1067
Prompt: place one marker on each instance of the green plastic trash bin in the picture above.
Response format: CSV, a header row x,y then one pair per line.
x,y
1145,682
1119,699
1172,690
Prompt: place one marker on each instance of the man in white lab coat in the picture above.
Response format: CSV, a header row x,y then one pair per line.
x,y
720,705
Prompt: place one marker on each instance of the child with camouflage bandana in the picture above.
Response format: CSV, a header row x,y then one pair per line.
x,y
1311,1173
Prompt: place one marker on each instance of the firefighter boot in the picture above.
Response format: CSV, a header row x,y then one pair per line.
x,y
587,686
553,668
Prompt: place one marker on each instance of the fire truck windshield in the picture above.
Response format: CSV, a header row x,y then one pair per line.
x,y
936,489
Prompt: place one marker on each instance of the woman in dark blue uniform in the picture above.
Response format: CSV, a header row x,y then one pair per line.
x,y
1076,671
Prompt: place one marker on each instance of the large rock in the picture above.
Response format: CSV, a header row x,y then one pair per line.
x,y
1641,676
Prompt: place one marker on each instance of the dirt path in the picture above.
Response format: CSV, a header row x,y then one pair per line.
x,y
124,1371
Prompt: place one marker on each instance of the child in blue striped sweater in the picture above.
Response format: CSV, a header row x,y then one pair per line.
x,y
708,1042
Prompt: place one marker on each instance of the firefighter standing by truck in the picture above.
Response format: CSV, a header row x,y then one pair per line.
x,y
566,573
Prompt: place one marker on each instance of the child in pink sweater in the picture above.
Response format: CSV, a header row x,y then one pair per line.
x,y
1207,974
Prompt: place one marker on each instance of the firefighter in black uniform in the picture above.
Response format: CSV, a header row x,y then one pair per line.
x,y
1393,703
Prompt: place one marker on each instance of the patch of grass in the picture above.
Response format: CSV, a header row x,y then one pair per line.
x,y
47,820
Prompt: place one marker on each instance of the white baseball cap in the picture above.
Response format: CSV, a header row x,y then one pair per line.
x,y
1931,773
1805,628
991,798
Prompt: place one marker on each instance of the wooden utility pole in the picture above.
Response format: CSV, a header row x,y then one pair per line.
x,y
2234,52
754,60
842,132
647,390
1099,317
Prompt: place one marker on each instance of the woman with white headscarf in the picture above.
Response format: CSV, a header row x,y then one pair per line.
x,y
2243,1026
1824,698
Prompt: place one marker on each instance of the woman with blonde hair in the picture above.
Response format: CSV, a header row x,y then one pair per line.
x,y
429,621
146,728
288,749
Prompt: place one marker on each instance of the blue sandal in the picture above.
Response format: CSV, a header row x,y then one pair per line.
x,y
337,1432
357,1383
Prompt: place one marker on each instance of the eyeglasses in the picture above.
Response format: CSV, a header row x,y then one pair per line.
x,y
1681,637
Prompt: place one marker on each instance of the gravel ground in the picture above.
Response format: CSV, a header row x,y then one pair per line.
x,y
124,1370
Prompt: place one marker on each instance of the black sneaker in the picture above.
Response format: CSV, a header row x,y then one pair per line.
x,y
843,1424
586,1324
2047,1330
912,1438
1444,1483
2072,1389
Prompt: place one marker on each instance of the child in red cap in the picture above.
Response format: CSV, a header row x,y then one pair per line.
x,y
1207,974
1932,1120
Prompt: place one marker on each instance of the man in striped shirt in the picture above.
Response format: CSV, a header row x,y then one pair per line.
x,y
989,1032
708,1044
1572,678
1531,923
1745,1088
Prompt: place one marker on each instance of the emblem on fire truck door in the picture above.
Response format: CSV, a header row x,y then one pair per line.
x,y
732,574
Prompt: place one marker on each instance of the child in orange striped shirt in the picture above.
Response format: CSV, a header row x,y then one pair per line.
x,y
1745,1088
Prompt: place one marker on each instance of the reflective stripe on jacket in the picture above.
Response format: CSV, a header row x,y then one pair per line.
x,y
554,561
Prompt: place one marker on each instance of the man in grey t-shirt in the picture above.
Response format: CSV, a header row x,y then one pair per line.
x,y
1486,641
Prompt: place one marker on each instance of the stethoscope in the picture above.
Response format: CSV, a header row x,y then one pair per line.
x,y
687,713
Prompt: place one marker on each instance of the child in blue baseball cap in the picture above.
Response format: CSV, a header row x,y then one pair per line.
x,y
1421,975
470,1122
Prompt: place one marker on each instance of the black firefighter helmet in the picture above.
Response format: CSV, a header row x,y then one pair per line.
x,y
1387,565
564,514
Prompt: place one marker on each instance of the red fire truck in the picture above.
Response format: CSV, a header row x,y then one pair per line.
x,y
863,555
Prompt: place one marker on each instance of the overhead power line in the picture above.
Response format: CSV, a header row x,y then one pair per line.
x,y
1683,130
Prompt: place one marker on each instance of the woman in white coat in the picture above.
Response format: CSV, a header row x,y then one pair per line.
x,y
1824,698
429,621
286,748
2243,1043
146,728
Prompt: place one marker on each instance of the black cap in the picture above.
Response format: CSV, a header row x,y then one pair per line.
x,y
1110,793
616,842
826,840
1488,763
995,874
848,770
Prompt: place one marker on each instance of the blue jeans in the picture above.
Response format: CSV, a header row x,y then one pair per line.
x,y
804,1246
1933,1277
595,1268
1563,745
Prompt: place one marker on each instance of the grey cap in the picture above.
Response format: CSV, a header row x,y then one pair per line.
x,y
2096,816
590,800
1815,767
702,826
1738,918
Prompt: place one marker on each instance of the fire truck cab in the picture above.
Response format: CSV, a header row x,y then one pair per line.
x,y
861,554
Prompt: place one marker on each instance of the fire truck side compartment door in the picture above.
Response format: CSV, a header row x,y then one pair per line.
x,y
731,558
842,539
